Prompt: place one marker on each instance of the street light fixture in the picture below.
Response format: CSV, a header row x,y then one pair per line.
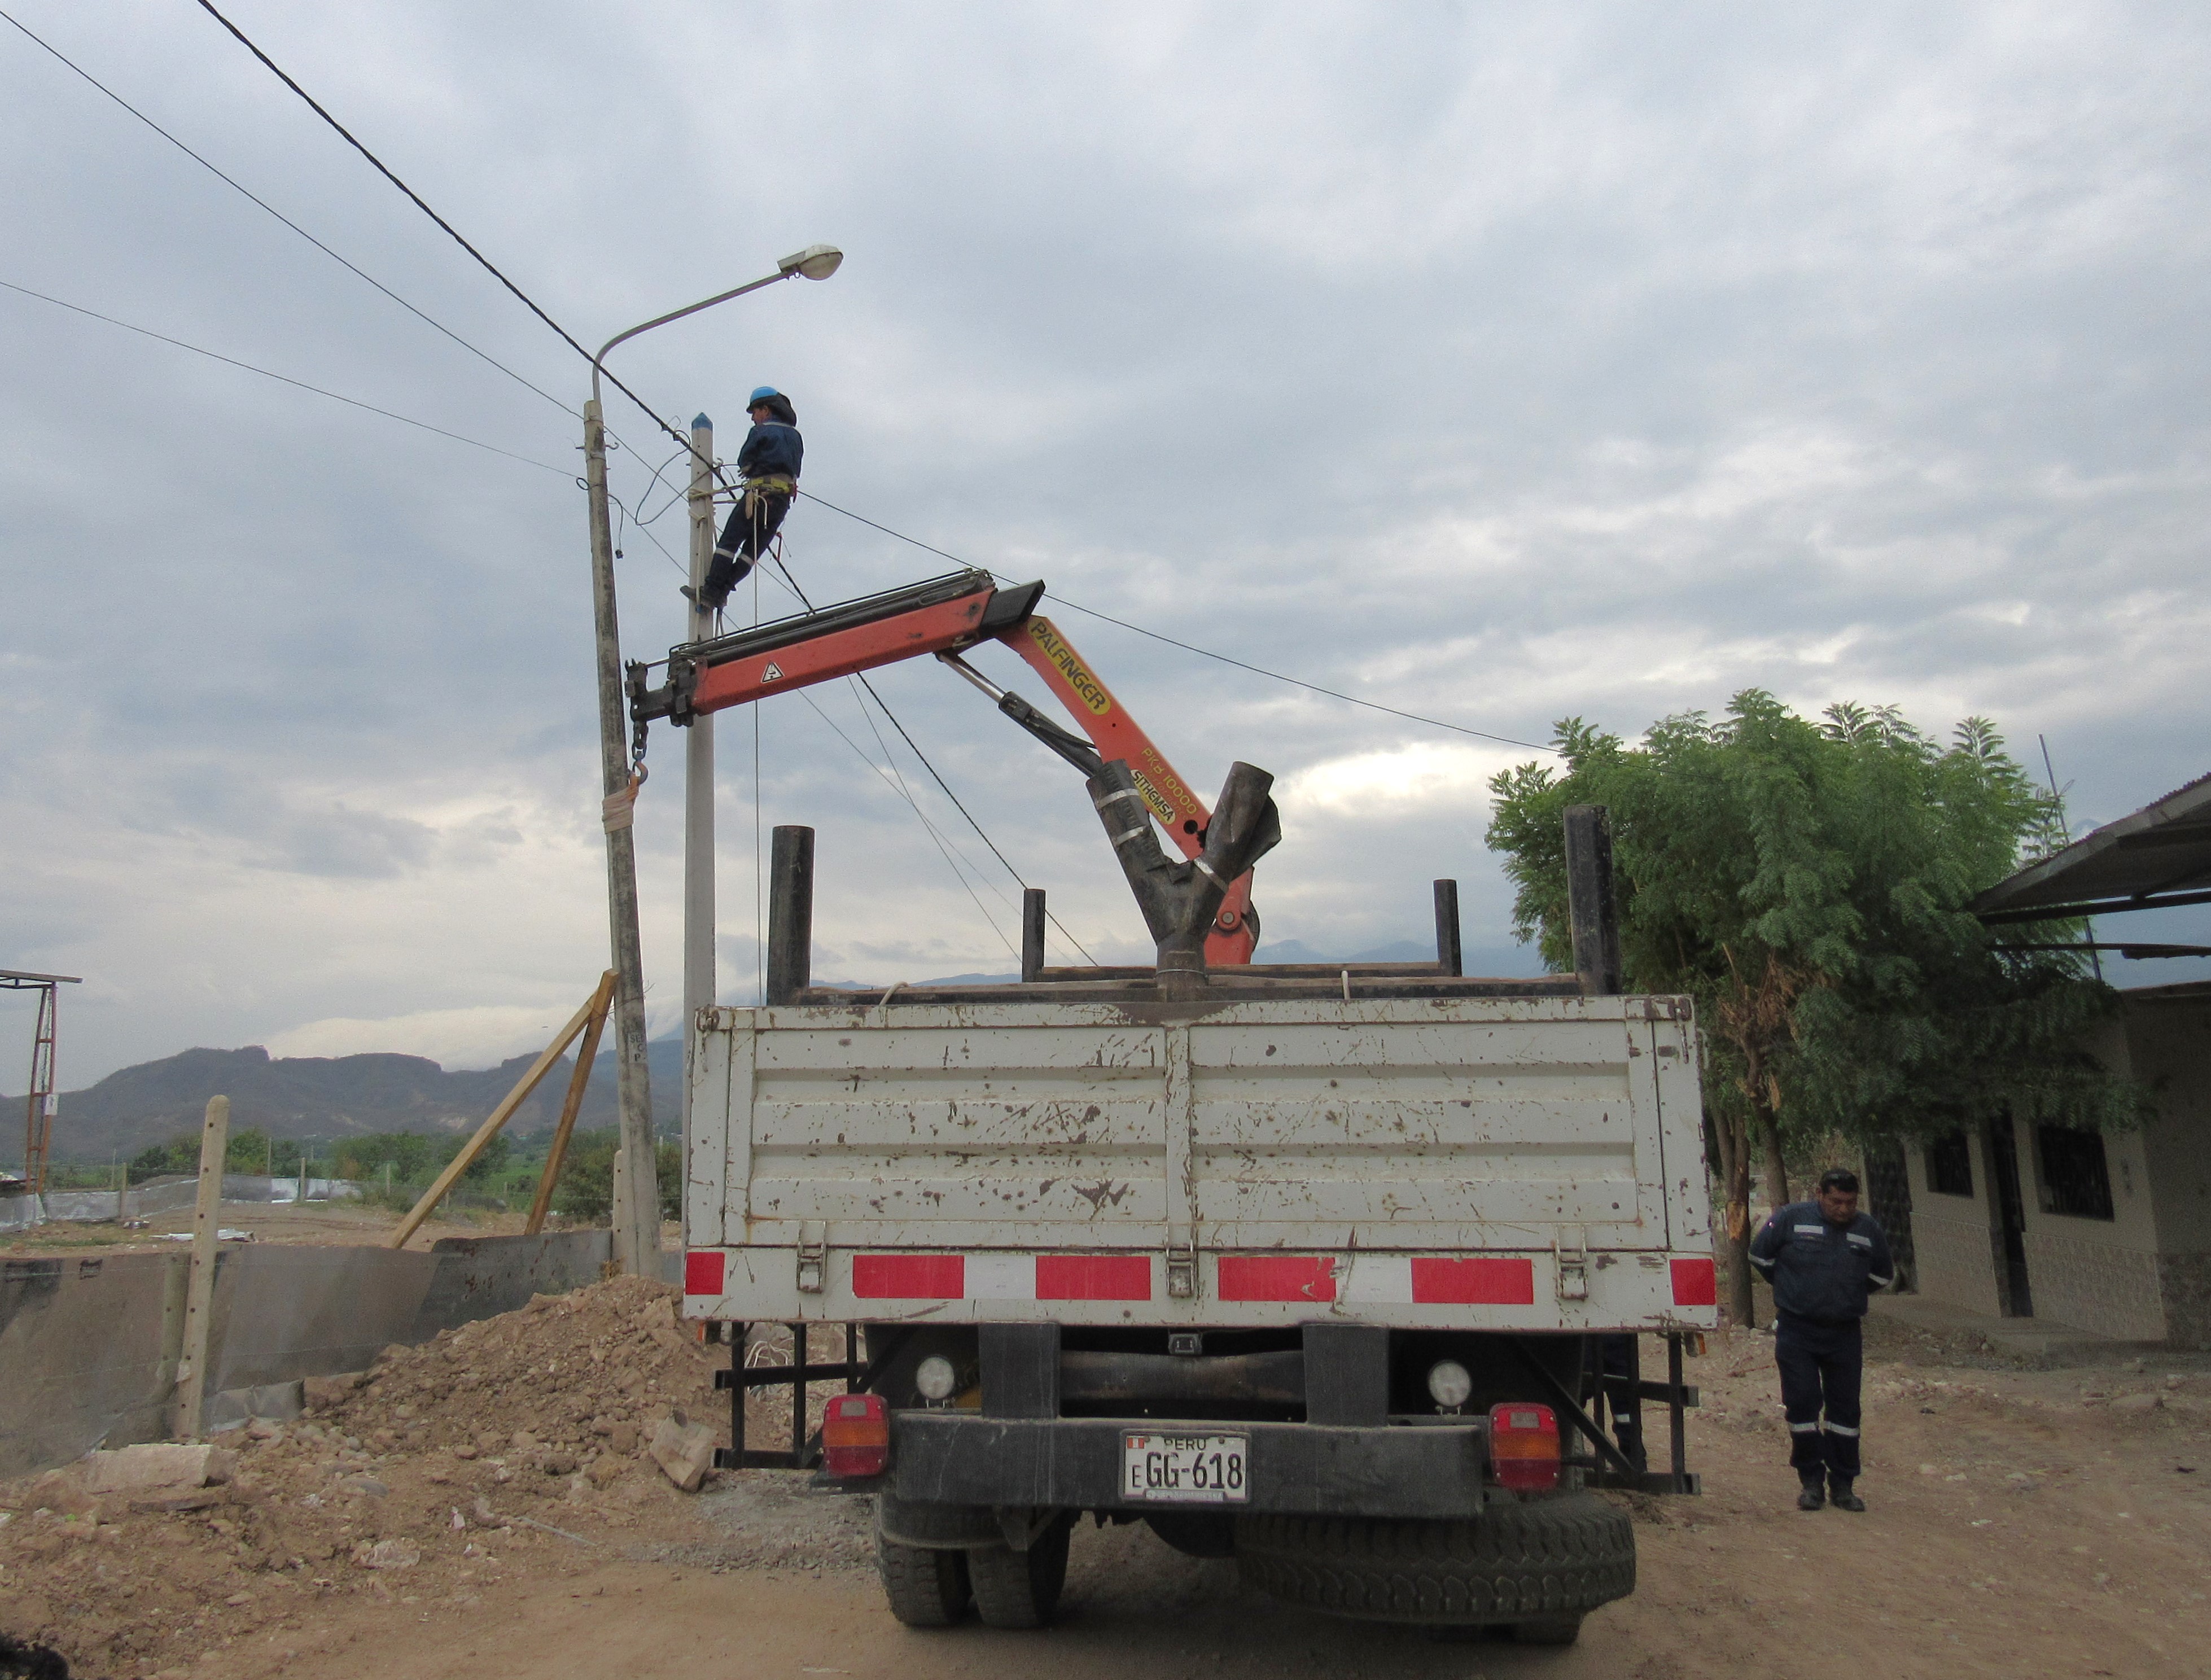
x,y
637,1199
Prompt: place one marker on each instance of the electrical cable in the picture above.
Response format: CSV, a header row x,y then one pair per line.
x,y
775,553
284,379
228,181
1190,647
928,827
488,266
531,304
961,808
676,493
891,759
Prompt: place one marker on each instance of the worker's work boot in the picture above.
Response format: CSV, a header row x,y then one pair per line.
x,y
1842,1497
1812,1498
721,575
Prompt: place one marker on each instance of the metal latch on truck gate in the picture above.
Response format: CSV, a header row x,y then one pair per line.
x,y
1573,1267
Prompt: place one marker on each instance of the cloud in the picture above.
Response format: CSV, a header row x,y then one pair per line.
x,y
481,1037
1495,366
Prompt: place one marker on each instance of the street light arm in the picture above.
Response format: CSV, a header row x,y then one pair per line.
x,y
677,315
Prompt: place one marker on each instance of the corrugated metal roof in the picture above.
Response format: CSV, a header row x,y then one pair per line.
x,y
2159,855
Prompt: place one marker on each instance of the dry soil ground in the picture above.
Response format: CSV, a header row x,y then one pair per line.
x,y
2023,1522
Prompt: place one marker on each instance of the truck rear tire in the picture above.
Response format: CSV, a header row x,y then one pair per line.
x,y
927,1588
1537,1566
1019,1589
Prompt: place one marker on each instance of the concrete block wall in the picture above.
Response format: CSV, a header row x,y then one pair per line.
x,y
1953,1237
88,1347
2169,1047
2096,1273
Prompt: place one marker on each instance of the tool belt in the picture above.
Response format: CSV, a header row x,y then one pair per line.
x,y
773,484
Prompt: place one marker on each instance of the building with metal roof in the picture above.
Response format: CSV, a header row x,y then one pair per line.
x,y
2108,1233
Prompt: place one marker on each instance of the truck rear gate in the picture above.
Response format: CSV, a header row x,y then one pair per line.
x,y
1448,1162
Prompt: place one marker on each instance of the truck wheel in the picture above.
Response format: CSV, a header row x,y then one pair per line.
x,y
1537,1566
1019,1589
927,1588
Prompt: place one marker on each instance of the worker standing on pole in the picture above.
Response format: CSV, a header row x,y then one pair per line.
x,y
769,462
1824,1258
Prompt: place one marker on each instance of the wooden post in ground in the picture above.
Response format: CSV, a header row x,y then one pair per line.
x,y
489,1129
558,1152
199,1295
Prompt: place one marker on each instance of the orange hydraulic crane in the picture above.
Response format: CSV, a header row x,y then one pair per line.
x,y
944,616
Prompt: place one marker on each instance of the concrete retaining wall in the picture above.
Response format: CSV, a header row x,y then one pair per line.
x,y
88,1347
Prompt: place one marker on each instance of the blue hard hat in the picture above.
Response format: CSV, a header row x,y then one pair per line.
x,y
761,396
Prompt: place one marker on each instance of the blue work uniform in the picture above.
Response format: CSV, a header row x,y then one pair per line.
x,y
770,462
1822,1274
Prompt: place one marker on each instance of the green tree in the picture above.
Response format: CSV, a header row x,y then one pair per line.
x,y
585,1188
246,1151
415,1157
1805,882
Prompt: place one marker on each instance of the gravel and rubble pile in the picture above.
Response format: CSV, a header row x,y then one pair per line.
x,y
515,1442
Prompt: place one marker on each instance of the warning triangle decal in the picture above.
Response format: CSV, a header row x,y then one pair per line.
x,y
772,673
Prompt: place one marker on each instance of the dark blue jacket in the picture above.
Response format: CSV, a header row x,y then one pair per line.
x,y
774,448
1818,1270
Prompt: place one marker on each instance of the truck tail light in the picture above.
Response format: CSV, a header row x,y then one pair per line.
x,y
856,1436
1524,1447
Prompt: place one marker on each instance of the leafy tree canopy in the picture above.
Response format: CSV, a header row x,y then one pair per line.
x,y
585,1188
1805,882
416,1157
249,1150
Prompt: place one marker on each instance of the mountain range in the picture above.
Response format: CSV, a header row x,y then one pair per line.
x,y
327,1097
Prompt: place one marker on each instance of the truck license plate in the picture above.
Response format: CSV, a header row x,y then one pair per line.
x,y
1186,1469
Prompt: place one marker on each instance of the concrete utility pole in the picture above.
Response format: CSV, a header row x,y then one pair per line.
x,y
636,1216
637,1200
698,777
199,1300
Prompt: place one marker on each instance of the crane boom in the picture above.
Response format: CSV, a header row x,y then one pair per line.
x,y
944,616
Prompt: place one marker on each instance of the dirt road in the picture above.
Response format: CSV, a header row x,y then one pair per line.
x,y
2022,1524
2094,1564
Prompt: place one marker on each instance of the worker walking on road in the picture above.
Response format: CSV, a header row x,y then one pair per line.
x,y
769,462
1824,1258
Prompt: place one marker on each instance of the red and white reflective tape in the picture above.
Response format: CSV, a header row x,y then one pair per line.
x,y
1421,1280
1002,1276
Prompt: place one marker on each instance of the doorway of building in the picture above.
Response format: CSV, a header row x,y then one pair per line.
x,y
2011,1219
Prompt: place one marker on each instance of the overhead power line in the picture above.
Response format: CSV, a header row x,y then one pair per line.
x,y
1191,647
283,379
568,338
420,204
249,193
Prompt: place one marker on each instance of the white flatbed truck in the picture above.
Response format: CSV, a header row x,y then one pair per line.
x,y
1302,1266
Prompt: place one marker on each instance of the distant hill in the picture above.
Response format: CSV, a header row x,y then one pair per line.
x,y
327,1097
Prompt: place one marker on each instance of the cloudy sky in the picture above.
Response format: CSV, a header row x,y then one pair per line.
x,y
1495,363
